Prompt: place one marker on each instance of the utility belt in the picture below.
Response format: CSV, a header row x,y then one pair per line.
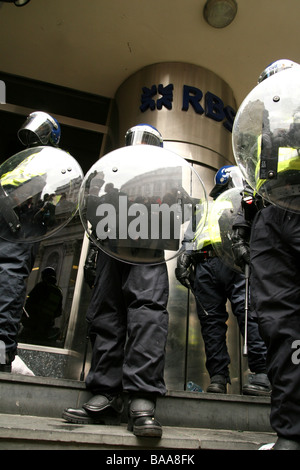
x,y
203,255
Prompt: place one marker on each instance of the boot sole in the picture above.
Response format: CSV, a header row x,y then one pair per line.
x,y
147,432
89,420
257,393
216,390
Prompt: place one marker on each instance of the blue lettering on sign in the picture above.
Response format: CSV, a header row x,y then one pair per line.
x,y
213,105
167,96
146,99
192,95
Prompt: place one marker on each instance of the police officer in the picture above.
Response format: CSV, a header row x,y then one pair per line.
x,y
128,324
17,259
43,306
275,237
213,283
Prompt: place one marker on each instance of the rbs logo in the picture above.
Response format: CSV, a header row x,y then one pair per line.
x,y
2,92
212,106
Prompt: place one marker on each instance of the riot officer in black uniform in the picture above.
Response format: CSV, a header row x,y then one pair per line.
x,y
269,155
128,324
17,259
213,283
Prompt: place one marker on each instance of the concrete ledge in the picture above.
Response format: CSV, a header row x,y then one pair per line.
x,y
37,433
217,411
48,397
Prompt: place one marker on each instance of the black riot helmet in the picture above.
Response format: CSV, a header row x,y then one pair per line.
x,y
49,275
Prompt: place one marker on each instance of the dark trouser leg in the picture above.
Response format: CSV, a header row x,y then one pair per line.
x,y
107,318
275,281
16,262
128,299
11,305
213,325
146,294
256,348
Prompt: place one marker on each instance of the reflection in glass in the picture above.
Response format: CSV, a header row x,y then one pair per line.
x,y
137,202
222,214
266,139
38,193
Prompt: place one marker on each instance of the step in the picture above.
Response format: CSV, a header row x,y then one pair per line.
x,y
41,433
48,397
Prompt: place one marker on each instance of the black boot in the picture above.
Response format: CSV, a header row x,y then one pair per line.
x,y
258,385
218,384
6,359
100,409
5,367
141,420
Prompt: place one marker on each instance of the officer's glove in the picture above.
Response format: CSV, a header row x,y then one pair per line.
x,y
240,247
89,269
184,270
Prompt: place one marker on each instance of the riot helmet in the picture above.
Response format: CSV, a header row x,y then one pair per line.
x,y
229,176
143,134
49,275
276,67
40,129
266,135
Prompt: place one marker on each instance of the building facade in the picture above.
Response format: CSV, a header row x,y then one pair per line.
x,y
194,110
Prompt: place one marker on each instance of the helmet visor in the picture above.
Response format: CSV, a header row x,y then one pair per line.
x,y
36,129
138,136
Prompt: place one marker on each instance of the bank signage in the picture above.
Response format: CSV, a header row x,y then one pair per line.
x,y
207,103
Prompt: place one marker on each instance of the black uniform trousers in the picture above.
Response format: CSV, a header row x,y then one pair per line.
x,y
16,263
215,284
128,321
275,292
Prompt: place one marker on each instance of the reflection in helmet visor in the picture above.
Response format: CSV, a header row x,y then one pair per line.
x,y
38,193
266,139
138,202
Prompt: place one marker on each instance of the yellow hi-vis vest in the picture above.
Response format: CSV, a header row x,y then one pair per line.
x,y
211,233
20,174
288,159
